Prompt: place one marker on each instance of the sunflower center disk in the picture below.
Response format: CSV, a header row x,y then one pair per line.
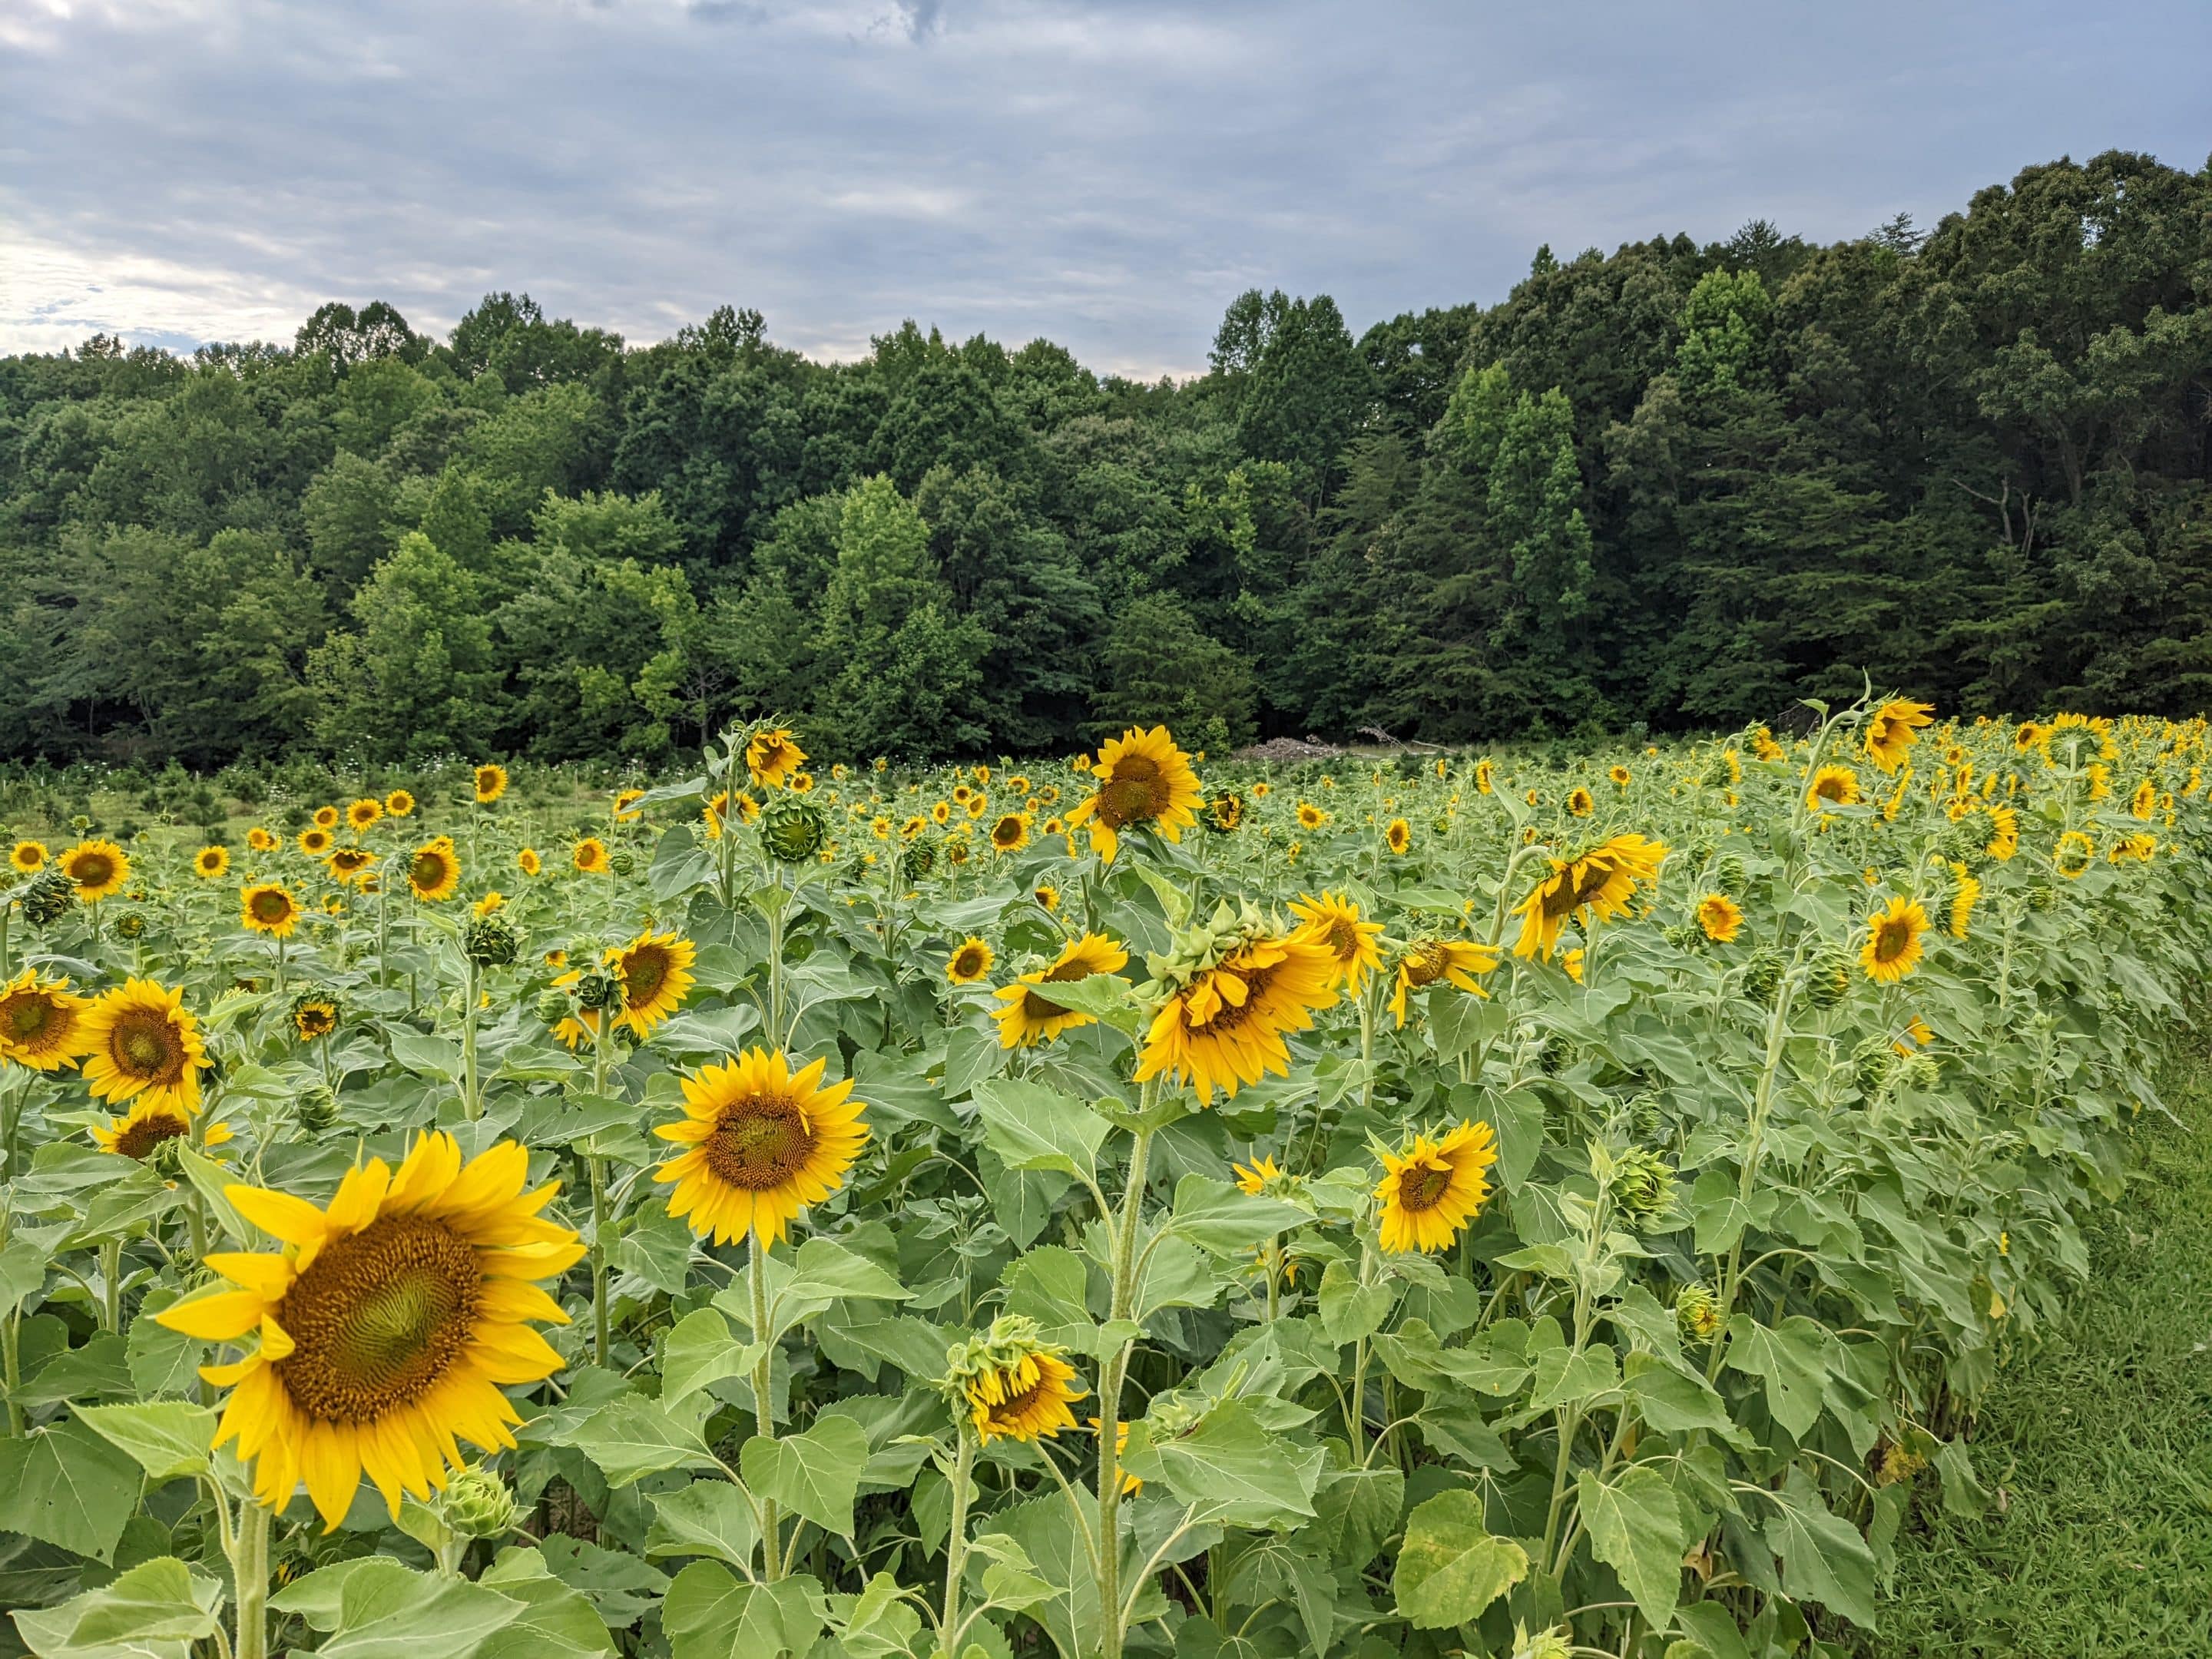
x,y
142,1048
642,975
1131,793
758,1144
1425,1188
143,1136
378,1319
27,1016
1889,943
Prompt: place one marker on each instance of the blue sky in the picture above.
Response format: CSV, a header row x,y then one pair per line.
x,y
1108,174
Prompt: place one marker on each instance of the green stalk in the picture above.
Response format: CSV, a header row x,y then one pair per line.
x,y
763,1417
956,1543
249,1573
600,1339
111,1286
471,1099
1111,1376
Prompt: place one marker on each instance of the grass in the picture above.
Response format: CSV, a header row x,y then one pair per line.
x,y
2100,1447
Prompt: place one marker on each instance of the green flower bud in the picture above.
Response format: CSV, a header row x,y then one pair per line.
x,y
491,942
1686,936
1873,1068
1546,1644
1963,842
316,1107
598,990
552,1007
792,830
1642,1186
918,861
1829,979
623,861
131,925
477,1503
48,897
1762,973
1697,1314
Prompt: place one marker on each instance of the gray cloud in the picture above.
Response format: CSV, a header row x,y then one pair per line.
x,y
1108,173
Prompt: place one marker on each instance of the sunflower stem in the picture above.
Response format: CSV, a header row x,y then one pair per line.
x,y
1110,1377
11,1369
956,1541
249,1573
111,1287
764,1416
471,1102
598,1167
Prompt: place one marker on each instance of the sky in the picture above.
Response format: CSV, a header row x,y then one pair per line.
x,y
1108,173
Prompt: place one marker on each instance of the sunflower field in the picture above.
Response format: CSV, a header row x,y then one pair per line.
x,y
1483,1204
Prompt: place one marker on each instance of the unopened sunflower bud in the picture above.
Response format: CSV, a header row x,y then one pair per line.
x,y
490,942
1876,1063
1642,1186
1829,979
1920,1070
1964,840
48,898
598,990
2041,896
1686,936
918,861
1762,973
1546,1644
477,1504
792,830
1728,873
552,1008
131,925
316,1107
623,861
1697,1314
162,1157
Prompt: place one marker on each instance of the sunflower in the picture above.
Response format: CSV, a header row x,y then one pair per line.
x,y
1310,816
268,908
1432,1188
1452,961
913,827
1721,916
941,813
2138,847
1027,1018
1602,880
962,793
98,867
762,1143
1892,729
2004,834
400,803
1893,946
1011,833
139,1132
1580,802
626,807
970,962
1334,920
1142,778
490,902
491,783
1398,836
2144,802
260,839
1225,1027
1620,774
29,858
800,783
363,813
326,817
1834,785
1962,901
2030,736
211,863
42,1023
315,843
2074,854
1254,1181
528,862
435,873
719,808
315,1015
655,972
141,1041
589,856
388,1325
1027,1400
346,864
880,828
772,755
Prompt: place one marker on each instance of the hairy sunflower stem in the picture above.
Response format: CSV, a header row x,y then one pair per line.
x,y
249,1573
1111,1376
764,1415
956,1541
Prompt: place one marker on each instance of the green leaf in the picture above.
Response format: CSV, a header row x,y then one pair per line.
x,y
168,1438
1049,1284
1636,1528
1223,1219
378,1609
1792,1357
1449,1566
22,1272
69,1486
815,1474
1673,1400
1235,1470
156,1610
161,1361
707,1517
1568,1376
633,1438
1349,1309
1031,1127
701,1350
1355,1511
709,1614
1824,1560
557,1622
824,1274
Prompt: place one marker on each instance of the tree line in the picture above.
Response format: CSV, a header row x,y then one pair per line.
x,y
1681,485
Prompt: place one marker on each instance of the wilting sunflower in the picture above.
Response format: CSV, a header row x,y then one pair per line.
x,y
1834,785
2074,854
1334,920
1028,1016
970,962
260,839
1432,1188
772,755
1580,802
346,864
762,1143
491,783
363,813
43,1024
98,867
1142,778
1452,961
1963,900
139,1132
315,843
1601,881
326,817
400,803
1225,1027
654,970
1026,1400
1721,916
28,858
1011,833
1398,836
268,908
434,874
1310,817
388,1325
1892,729
313,1015
1893,948
142,1042
211,863
589,856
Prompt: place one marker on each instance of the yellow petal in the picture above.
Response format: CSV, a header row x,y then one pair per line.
x,y
279,1214
222,1317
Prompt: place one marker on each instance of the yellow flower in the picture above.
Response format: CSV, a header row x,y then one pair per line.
x,y
2074,854
1834,785
1027,1400
98,867
434,871
1428,961
1225,1028
1601,881
141,1041
655,972
30,856
1255,1180
400,803
315,843
970,962
760,1144
1334,920
1962,901
313,1017
387,1327
1011,833
1047,895
260,839
772,755
1620,774
589,856
490,902
139,1132
326,817
1892,729
1893,948
2004,833
1398,836
363,813
1721,916
211,863
1142,779
1028,1016
1310,816
1579,802
1433,1188
43,1024
528,862
491,783
346,864
626,806
269,909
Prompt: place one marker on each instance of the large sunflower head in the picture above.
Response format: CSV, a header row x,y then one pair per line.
x,y
2074,854
1231,1000
148,1127
363,813
654,970
1893,947
1011,833
626,806
1142,779
260,839
1720,917
28,858
2004,834
1834,785
772,755
761,1143
528,862
1334,920
43,1024
1598,882
1012,1384
268,908
1398,836
490,782
1027,1015
435,873
1892,729
314,1014
1432,1188
387,1328
98,867
211,863
1429,961
1580,803
143,1042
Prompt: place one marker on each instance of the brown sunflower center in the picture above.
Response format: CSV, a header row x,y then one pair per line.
x,y
1892,936
315,1020
1829,789
759,1144
378,1319
1008,833
1424,1188
1343,939
1136,790
1232,1014
429,870
24,1015
1426,964
92,869
1016,1406
644,971
968,963
142,1045
271,907
140,1140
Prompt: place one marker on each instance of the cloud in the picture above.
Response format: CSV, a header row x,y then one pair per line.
x,y
1108,173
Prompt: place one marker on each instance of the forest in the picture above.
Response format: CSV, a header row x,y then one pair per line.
x,y
1676,486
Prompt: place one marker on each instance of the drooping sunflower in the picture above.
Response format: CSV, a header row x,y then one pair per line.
x,y
1580,802
211,863
28,858
269,909
1027,1400
363,813
260,839
2074,854
43,1024
346,864
528,862
772,755
387,1327
654,970
495,900
1141,778
434,874
2004,834
1225,1027
315,843
1398,836
1893,947
326,817
2136,848
1334,920
1601,881
762,1143
141,1041
1963,899
1011,833
99,868
1721,917
314,1014
626,809
139,1132
970,962
1432,1188
1028,1016
1893,728
2144,802
400,803
1834,785
491,782
1451,961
